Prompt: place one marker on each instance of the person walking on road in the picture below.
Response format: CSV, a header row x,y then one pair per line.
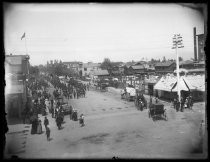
x,y
48,133
39,127
34,122
46,122
58,122
182,104
156,100
70,112
81,120
47,104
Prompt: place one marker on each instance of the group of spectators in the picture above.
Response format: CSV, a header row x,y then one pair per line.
x,y
185,102
42,102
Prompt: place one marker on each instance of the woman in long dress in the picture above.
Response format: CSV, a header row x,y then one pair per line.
x,y
39,127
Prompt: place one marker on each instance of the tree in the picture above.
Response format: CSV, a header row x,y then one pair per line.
x,y
106,64
181,59
164,59
34,70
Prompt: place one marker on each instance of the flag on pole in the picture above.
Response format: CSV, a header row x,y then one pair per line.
x,y
23,36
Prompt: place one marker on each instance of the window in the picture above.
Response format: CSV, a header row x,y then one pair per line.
x,y
85,69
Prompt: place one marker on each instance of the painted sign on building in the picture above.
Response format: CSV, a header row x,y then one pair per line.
x,y
201,47
14,89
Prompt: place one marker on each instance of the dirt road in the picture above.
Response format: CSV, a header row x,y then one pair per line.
x,y
114,128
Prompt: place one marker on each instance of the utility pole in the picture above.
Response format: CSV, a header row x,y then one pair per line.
x,y
195,44
177,43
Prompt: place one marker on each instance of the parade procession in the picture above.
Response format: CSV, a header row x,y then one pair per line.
x,y
102,82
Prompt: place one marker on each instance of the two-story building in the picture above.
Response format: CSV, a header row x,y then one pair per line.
x,y
87,69
99,75
165,67
127,70
138,69
74,65
188,64
193,67
16,73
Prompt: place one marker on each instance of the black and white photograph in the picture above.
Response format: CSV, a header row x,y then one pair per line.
x,y
105,80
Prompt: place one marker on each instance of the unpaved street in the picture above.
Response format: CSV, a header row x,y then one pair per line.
x,y
115,128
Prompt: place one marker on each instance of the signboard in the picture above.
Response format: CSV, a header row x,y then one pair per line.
x,y
14,89
201,47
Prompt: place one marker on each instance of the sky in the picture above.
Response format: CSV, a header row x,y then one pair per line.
x,y
94,31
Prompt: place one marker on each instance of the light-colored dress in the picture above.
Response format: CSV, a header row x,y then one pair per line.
x,y
39,128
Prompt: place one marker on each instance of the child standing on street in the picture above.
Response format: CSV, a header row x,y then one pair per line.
x,y
81,120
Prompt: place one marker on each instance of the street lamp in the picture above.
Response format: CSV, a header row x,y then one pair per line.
x,y
177,43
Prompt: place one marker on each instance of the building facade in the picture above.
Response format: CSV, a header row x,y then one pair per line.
x,y
74,65
165,67
16,74
87,69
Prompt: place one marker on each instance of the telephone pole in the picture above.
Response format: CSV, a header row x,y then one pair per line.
x,y
177,43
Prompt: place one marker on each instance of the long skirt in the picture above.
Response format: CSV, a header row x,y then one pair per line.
x,y
33,128
39,129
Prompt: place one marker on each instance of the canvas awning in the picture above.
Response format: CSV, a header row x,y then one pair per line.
x,y
182,86
165,84
195,82
182,70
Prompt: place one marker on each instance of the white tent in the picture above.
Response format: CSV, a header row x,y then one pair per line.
x,y
195,82
182,86
187,83
115,79
182,70
130,90
165,83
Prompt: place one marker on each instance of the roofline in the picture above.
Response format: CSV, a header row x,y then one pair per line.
x,y
17,55
166,65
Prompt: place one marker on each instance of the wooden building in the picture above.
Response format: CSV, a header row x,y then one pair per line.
x,y
165,67
16,73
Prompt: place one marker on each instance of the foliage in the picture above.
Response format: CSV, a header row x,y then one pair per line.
x,y
106,64
164,59
180,59
57,68
34,70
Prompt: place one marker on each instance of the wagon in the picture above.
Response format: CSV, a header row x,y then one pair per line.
x,y
104,87
157,111
65,105
129,94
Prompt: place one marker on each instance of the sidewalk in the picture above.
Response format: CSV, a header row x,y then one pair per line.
x,y
16,139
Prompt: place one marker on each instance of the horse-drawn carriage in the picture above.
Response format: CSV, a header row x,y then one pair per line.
x,y
65,106
104,87
140,101
157,111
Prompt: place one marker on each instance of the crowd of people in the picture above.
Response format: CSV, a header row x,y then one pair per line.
x,y
69,89
185,102
44,103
